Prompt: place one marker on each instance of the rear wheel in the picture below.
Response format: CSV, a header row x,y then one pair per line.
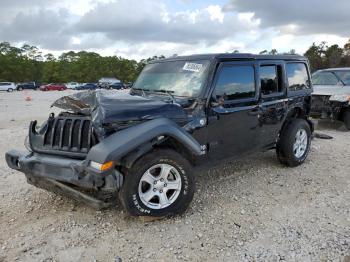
x,y
10,90
158,184
20,88
294,144
347,118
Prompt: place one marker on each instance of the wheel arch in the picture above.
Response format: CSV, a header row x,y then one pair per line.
x,y
166,142
294,113
131,143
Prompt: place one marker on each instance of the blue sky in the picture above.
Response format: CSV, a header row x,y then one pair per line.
x,y
142,28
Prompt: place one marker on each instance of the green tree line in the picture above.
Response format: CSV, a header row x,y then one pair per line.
x,y
322,56
27,63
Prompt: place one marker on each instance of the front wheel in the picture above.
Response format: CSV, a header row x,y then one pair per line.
x,y
347,119
20,88
294,144
10,90
158,184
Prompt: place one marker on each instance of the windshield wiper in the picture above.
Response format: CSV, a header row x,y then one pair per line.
x,y
141,89
163,91
168,92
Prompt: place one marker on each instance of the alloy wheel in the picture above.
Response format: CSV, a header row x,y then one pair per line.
x,y
300,143
160,186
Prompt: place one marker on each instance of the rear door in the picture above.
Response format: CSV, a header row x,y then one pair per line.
x,y
273,104
233,124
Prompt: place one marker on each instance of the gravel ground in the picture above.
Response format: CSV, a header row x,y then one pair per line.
x,y
253,209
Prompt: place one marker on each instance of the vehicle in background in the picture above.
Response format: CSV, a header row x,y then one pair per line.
x,y
105,82
88,86
7,86
331,96
53,87
117,85
72,85
128,85
28,85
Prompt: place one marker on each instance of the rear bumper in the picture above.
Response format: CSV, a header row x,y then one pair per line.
x,y
70,171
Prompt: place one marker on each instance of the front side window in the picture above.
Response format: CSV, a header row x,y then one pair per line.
x,y
325,78
235,82
181,78
270,80
298,78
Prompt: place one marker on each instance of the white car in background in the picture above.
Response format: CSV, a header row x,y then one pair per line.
x,y
7,86
72,85
331,96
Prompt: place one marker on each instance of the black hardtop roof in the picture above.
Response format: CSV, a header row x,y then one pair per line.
x,y
233,56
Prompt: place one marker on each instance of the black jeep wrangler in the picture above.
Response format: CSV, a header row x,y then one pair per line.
x,y
181,113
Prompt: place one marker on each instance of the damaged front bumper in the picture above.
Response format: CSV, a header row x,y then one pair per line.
x,y
325,106
63,175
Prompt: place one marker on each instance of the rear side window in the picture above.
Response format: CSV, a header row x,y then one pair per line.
x,y
235,82
270,79
298,78
325,78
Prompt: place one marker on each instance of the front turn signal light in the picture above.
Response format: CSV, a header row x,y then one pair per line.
x,y
101,167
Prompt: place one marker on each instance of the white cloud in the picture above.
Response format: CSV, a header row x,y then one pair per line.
x,y
216,13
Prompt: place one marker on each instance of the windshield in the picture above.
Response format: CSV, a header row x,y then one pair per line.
x,y
180,78
344,76
325,78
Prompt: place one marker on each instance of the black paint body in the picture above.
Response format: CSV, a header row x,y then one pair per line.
x,y
202,129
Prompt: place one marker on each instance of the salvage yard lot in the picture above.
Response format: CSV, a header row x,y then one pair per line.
x,y
250,209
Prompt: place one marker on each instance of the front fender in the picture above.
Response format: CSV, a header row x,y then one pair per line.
x,y
121,143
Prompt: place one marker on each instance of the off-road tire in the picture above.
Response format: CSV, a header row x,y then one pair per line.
x,y
346,118
284,149
129,196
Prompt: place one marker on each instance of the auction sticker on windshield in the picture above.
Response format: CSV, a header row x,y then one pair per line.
x,y
193,67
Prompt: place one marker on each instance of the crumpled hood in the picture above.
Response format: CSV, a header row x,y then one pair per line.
x,y
106,107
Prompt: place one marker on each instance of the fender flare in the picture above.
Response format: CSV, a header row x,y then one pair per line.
x,y
298,111
119,144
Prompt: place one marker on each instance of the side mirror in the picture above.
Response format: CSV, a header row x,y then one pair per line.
x,y
219,102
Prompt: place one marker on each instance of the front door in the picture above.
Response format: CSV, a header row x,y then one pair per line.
x,y
233,123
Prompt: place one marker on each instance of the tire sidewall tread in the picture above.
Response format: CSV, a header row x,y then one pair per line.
x,y
129,192
285,145
347,118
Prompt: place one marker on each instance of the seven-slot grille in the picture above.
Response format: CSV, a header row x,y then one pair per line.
x,y
74,134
